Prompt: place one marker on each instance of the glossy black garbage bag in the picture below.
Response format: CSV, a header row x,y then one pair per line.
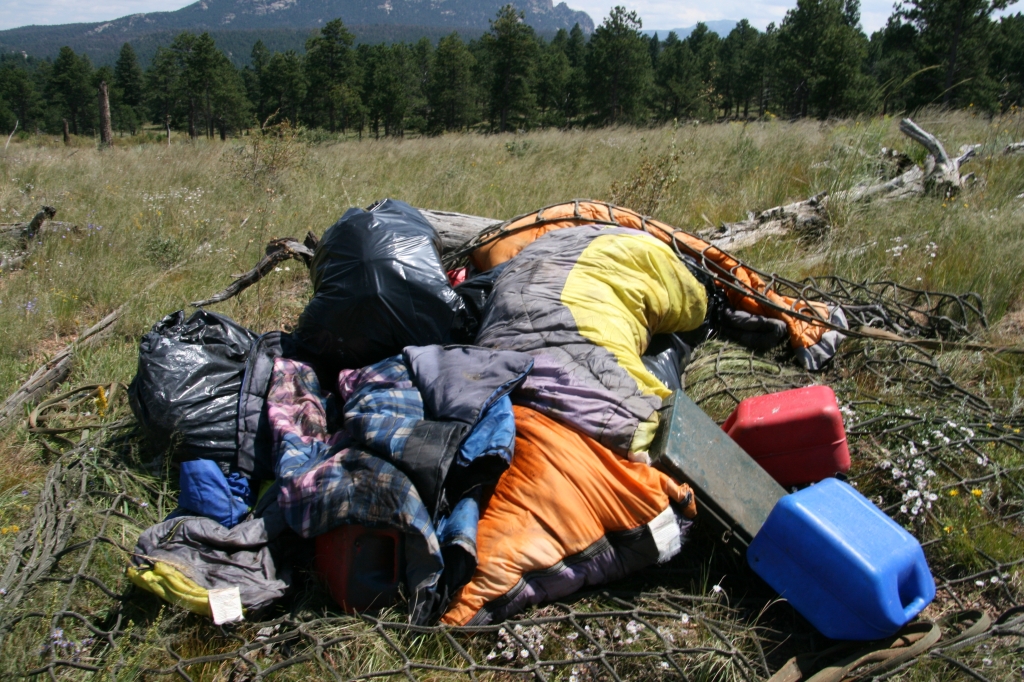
x,y
186,390
379,286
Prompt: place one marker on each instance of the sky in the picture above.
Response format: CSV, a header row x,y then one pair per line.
x,y
656,14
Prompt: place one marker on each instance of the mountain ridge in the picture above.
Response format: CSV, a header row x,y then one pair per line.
x,y
435,17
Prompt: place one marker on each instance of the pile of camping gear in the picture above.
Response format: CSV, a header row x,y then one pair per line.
x,y
477,439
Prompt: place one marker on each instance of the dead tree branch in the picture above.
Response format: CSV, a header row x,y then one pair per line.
x,y
808,217
49,375
22,235
1014,148
455,229
52,373
278,251
940,175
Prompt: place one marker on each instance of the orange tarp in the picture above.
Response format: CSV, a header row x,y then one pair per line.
x,y
522,231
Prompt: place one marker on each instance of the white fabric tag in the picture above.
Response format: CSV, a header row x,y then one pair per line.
x,y
225,605
667,538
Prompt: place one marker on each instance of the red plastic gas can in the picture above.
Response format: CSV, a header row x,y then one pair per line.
x,y
360,565
796,436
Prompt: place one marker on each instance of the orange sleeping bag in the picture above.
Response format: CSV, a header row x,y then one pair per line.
x,y
568,513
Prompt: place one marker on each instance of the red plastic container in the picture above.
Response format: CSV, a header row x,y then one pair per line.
x,y
361,566
796,436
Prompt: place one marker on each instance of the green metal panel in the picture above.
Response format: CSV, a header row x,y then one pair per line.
x,y
732,490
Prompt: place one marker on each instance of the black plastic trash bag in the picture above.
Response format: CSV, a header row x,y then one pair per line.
x,y
666,358
475,292
379,286
186,391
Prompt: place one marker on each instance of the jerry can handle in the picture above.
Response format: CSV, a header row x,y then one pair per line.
x,y
919,586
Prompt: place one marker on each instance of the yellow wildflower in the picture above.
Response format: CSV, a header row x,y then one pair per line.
x,y
954,492
101,402
948,529
976,492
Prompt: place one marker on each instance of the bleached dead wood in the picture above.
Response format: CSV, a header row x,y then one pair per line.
x,y
1014,148
940,175
456,228
49,375
808,217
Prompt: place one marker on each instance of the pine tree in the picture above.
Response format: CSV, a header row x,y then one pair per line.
x,y
894,65
19,98
680,90
284,81
386,72
330,73
421,63
128,76
705,46
163,92
70,90
955,35
1008,61
740,77
511,49
254,76
128,87
619,68
553,77
820,55
230,107
574,45
450,91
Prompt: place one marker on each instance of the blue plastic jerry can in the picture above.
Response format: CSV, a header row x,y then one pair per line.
x,y
844,565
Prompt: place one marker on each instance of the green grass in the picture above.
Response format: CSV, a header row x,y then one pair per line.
x,y
160,226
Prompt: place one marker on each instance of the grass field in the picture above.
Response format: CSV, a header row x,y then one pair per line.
x,y
159,226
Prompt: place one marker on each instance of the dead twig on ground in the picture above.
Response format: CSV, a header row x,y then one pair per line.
x,y
278,251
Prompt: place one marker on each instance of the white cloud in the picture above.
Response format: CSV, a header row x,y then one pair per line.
x,y
14,13
668,14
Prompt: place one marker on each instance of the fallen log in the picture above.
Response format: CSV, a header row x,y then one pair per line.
x,y
808,218
24,232
456,229
56,370
22,236
940,175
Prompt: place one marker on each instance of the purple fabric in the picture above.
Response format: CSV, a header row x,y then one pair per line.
x,y
605,416
603,567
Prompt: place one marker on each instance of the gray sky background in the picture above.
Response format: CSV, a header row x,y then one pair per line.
x,y
656,14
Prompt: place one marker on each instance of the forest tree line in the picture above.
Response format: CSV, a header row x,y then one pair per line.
x,y
817,62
